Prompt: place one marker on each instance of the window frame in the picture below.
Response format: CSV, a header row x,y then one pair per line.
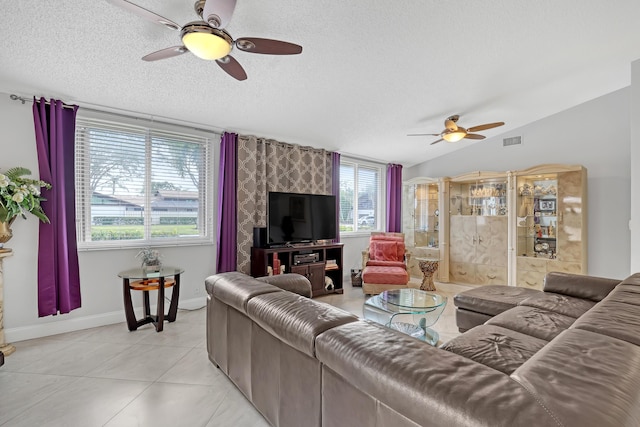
x,y
380,210
209,139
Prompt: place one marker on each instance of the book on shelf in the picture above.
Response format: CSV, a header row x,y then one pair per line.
x,y
331,264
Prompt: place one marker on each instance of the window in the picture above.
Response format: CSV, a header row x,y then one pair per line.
x,y
361,196
138,185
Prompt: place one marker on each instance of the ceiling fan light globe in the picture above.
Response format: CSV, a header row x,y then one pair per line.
x,y
206,42
454,136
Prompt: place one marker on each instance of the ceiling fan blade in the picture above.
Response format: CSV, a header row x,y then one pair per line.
x,y
423,134
485,126
267,46
450,123
232,67
217,13
436,141
144,13
165,53
474,136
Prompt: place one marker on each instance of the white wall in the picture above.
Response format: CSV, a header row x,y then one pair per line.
x,y
635,164
100,287
595,134
352,252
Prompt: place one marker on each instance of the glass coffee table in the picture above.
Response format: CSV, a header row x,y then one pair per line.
x,y
410,311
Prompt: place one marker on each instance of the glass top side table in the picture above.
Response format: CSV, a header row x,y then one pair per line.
x,y
141,280
411,311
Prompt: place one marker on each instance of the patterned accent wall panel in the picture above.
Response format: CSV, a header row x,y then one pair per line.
x,y
266,165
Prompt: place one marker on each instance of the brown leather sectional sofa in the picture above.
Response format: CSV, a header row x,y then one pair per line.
x,y
571,357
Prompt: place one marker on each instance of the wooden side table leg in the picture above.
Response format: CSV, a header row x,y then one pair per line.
x,y
173,308
160,316
132,323
146,306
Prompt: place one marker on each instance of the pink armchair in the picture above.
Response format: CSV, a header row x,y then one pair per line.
x,y
384,263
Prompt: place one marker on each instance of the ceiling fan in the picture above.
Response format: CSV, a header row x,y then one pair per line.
x,y
454,133
207,38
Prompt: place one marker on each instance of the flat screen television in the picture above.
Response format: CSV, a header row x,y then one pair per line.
x,y
299,218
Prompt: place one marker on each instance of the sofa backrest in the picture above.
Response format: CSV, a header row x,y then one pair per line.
x,y
386,247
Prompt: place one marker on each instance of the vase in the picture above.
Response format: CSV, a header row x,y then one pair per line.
x,y
5,232
152,268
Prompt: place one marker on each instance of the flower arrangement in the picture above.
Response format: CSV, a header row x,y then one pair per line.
x,y
19,195
151,259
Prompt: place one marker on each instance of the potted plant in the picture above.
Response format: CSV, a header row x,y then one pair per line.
x,y
151,259
19,195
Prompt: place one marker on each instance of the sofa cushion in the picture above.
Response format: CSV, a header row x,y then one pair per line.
x,y
387,275
375,263
585,379
467,319
499,348
386,250
430,386
563,304
294,319
492,299
235,289
612,318
579,286
533,321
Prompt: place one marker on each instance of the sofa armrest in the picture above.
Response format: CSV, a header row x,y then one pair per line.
x,y
365,257
291,282
579,286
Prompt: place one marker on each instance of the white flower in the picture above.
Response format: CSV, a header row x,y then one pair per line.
x,y
18,197
34,190
4,181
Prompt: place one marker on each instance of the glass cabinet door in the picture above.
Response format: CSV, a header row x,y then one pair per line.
x,y
537,218
481,198
426,215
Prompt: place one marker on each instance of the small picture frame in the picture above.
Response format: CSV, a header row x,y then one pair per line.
x,y
547,205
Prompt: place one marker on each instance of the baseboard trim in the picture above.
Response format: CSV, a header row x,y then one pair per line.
x,y
78,323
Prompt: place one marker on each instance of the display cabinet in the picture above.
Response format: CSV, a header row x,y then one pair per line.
x,y
478,224
424,225
499,228
549,225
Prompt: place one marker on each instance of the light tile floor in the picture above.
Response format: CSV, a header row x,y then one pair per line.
x,y
108,376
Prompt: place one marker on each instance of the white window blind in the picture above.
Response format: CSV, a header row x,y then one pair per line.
x,y
139,185
361,196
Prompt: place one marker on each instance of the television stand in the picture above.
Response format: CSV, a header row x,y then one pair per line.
x,y
329,264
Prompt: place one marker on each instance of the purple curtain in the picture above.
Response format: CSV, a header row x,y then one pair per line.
x,y
335,188
227,250
394,198
58,272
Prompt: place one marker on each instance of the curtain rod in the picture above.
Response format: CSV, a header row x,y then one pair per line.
x,y
23,100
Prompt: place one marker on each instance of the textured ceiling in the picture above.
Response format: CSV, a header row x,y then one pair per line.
x,y
371,70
